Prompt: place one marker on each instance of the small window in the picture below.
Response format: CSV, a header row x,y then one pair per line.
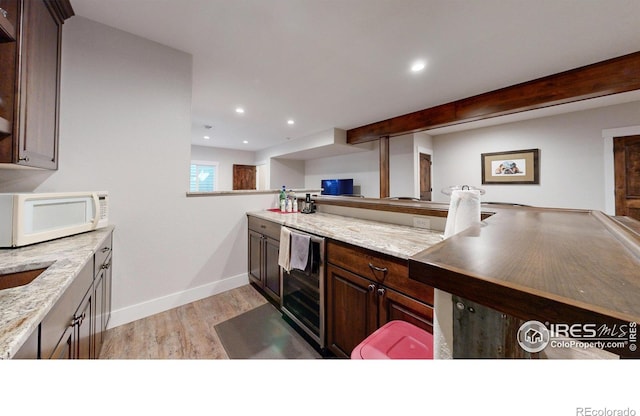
x,y
203,176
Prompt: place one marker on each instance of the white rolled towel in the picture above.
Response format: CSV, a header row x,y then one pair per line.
x,y
464,211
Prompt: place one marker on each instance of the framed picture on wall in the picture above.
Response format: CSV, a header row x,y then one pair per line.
x,y
514,167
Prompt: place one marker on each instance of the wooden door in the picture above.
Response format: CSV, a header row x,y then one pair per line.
x,y
396,306
108,284
65,348
425,177
626,155
98,313
351,310
84,327
272,268
244,177
39,85
255,257
7,84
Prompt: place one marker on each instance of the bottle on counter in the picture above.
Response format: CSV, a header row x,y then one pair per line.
x,y
295,203
283,199
291,196
289,206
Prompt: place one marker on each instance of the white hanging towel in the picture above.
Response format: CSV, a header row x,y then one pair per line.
x,y
464,211
299,251
284,257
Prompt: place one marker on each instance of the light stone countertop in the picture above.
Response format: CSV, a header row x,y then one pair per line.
x,y
23,308
395,240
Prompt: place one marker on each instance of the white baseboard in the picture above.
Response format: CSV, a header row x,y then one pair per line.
x,y
142,310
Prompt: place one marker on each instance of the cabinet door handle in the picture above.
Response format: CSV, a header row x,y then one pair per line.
x,y
381,291
105,249
371,287
77,320
23,159
378,269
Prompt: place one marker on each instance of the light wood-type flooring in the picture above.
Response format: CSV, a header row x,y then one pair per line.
x,y
185,332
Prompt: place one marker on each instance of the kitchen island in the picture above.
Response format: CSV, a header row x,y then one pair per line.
x,y
555,266
22,308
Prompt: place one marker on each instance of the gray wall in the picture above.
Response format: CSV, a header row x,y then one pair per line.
x,y
401,166
572,157
125,127
363,167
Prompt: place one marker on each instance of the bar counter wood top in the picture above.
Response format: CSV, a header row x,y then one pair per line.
x,y
550,265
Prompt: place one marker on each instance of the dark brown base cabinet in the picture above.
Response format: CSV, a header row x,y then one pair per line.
x,y
482,332
102,283
75,326
365,290
66,331
264,249
31,347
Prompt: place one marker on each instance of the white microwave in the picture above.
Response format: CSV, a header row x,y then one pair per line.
x,y
28,218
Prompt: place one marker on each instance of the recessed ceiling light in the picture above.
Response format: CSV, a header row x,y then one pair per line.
x,y
245,141
290,122
240,110
418,66
206,137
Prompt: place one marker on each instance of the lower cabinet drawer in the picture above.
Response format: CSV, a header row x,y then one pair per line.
x,y
389,271
268,228
102,253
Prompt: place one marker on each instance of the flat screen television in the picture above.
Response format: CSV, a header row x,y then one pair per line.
x,y
336,186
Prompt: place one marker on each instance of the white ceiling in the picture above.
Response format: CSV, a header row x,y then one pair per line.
x,y
345,63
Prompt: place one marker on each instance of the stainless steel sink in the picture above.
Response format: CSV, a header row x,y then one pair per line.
x,y
15,279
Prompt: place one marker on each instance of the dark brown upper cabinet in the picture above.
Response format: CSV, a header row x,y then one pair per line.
x,y
7,29
30,82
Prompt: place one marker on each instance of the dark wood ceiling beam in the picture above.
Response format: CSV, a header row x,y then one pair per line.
x,y
613,76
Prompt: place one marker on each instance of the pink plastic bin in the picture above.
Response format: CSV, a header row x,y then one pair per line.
x,y
395,340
